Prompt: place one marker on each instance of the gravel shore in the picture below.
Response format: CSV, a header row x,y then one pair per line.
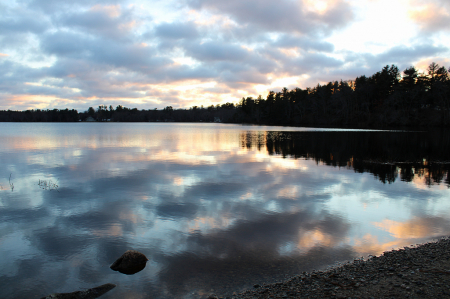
x,y
410,272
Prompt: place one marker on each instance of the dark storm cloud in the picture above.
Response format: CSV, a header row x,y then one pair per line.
x,y
280,16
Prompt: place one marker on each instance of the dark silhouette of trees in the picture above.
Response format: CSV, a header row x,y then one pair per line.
x,y
39,115
385,99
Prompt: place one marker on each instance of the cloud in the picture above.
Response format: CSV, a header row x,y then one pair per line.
x,y
322,68
242,213
115,54
179,210
304,43
55,6
280,16
216,51
103,20
415,228
103,51
409,54
431,16
315,61
245,245
177,31
16,21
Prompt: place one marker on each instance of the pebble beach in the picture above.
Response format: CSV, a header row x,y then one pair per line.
x,y
421,271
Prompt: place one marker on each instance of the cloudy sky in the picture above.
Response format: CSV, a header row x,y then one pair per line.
x,y
152,54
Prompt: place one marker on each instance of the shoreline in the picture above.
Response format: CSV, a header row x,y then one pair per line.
x,y
420,271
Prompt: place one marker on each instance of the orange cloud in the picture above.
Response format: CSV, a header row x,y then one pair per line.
x,y
206,224
112,231
130,217
414,228
369,244
112,11
3,55
313,238
24,102
431,17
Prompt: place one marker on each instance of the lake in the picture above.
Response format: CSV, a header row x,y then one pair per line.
x,y
216,208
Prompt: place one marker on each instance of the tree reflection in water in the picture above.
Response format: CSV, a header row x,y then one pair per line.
x,y
388,155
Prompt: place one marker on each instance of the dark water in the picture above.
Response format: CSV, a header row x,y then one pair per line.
x,y
215,208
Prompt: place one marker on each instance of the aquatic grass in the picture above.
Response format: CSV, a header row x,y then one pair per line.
x,y
47,185
11,184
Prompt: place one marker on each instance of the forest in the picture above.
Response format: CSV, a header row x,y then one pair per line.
x,y
387,99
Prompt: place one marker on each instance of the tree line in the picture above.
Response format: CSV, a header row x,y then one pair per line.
x,y
388,98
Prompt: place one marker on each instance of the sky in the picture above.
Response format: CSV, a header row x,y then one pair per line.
x,y
182,53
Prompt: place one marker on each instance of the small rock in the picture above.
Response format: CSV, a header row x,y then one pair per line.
x,y
130,262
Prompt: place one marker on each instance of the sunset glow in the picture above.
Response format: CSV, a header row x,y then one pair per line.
x,y
190,53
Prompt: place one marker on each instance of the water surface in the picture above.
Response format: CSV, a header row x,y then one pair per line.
x,y
215,207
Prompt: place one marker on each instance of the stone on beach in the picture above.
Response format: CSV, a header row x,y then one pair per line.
x,y
130,262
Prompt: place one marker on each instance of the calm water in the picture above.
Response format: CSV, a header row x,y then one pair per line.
x,y
215,207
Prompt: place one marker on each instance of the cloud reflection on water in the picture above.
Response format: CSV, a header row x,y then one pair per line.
x,y
208,206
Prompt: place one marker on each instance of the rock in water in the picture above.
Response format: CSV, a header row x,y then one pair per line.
x,y
86,294
130,262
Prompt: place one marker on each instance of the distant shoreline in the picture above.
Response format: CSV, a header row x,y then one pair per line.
x,y
317,126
